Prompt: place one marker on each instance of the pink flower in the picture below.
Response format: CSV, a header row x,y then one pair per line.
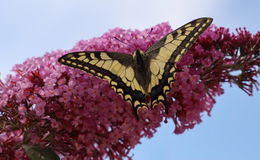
x,y
85,119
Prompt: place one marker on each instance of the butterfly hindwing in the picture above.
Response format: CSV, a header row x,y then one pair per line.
x,y
116,68
164,55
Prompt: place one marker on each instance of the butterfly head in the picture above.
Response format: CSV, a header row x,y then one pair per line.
x,y
138,52
138,57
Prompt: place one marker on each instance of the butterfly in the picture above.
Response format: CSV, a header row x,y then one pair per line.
x,y
143,78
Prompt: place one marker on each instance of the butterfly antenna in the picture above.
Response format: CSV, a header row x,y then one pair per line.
x,y
130,46
148,34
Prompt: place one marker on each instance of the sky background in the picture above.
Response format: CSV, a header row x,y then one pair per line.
x,y
31,28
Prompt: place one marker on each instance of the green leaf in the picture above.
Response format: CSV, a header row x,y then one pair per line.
x,y
35,152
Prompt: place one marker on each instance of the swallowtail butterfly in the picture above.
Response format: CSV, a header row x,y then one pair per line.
x,y
143,79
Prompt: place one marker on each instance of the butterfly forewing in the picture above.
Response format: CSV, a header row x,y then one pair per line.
x,y
164,55
116,68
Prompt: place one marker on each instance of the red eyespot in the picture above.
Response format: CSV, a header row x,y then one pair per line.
x,y
148,100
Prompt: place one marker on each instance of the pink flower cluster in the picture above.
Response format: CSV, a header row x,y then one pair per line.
x,y
81,117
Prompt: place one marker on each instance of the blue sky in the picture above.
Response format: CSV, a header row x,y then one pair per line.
x,y
31,28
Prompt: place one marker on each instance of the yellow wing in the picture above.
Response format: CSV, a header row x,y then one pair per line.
x,y
116,68
164,55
